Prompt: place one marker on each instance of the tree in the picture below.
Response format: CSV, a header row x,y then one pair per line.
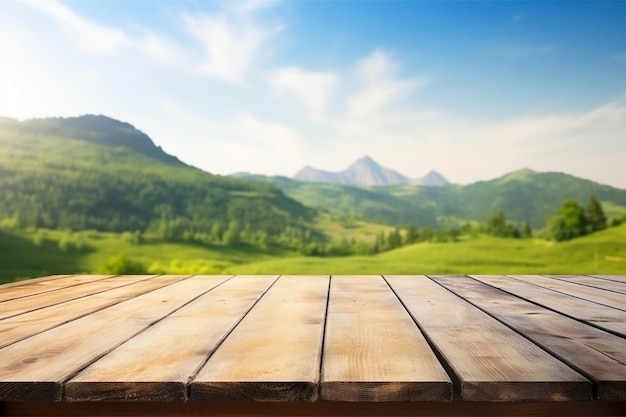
x,y
231,236
216,231
595,215
411,235
527,232
569,222
496,224
395,239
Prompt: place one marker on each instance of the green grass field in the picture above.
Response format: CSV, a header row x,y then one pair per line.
x,y
601,253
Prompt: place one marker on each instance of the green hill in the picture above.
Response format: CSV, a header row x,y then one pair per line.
x,y
93,172
599,253
523,195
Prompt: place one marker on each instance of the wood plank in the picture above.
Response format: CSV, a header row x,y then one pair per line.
x,y
599,355
618,278
23,305
36,286
14,329
28,281
155,365
373,351
594,282
489,361
596,295
274,353
598,315
36,368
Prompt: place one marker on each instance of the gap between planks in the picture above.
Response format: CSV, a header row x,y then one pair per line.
x,y
324,329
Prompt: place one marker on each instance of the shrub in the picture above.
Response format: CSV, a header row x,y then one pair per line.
x,y
122,264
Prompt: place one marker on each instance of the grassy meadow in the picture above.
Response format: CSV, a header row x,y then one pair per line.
x,y
32,254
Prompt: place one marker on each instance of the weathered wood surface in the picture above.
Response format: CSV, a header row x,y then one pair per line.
x,y
30,287
168,363
593,352
373,350
618,278
605,284
22,305
598,315
489,361
596,295
314,340
21,326
274,353
37,368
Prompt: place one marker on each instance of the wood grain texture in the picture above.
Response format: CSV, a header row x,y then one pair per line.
x,y
594,282
607,318
23,305
36,286
20,327
156,364
596,295
274,353
599,355
618,278
36,368
490,361
373,351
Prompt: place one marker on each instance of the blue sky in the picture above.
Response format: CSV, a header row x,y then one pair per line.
x,y
472,89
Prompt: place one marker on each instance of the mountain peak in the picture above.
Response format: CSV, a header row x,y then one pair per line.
x,y
431,179
365,171
366,158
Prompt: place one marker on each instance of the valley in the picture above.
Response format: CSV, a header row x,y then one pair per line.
x,y
95,195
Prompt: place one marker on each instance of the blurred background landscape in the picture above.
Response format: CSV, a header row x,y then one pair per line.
x,y
305,137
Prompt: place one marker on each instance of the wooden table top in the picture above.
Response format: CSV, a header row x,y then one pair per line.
x,y
313,338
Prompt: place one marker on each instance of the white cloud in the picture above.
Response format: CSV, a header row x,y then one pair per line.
x,y
263,146
231,39
313,89
374,98
89,36
378,99
101,39
377,65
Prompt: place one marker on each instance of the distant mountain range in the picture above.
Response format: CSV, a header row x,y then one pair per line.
x,y
93,172
523,195
367,172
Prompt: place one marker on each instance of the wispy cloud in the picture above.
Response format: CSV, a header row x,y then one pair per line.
x,y
90,36
96,38
312,88
517,18
375,66
232,38
381,88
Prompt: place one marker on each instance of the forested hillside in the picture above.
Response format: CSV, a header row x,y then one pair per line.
x,y
93,172
524,195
